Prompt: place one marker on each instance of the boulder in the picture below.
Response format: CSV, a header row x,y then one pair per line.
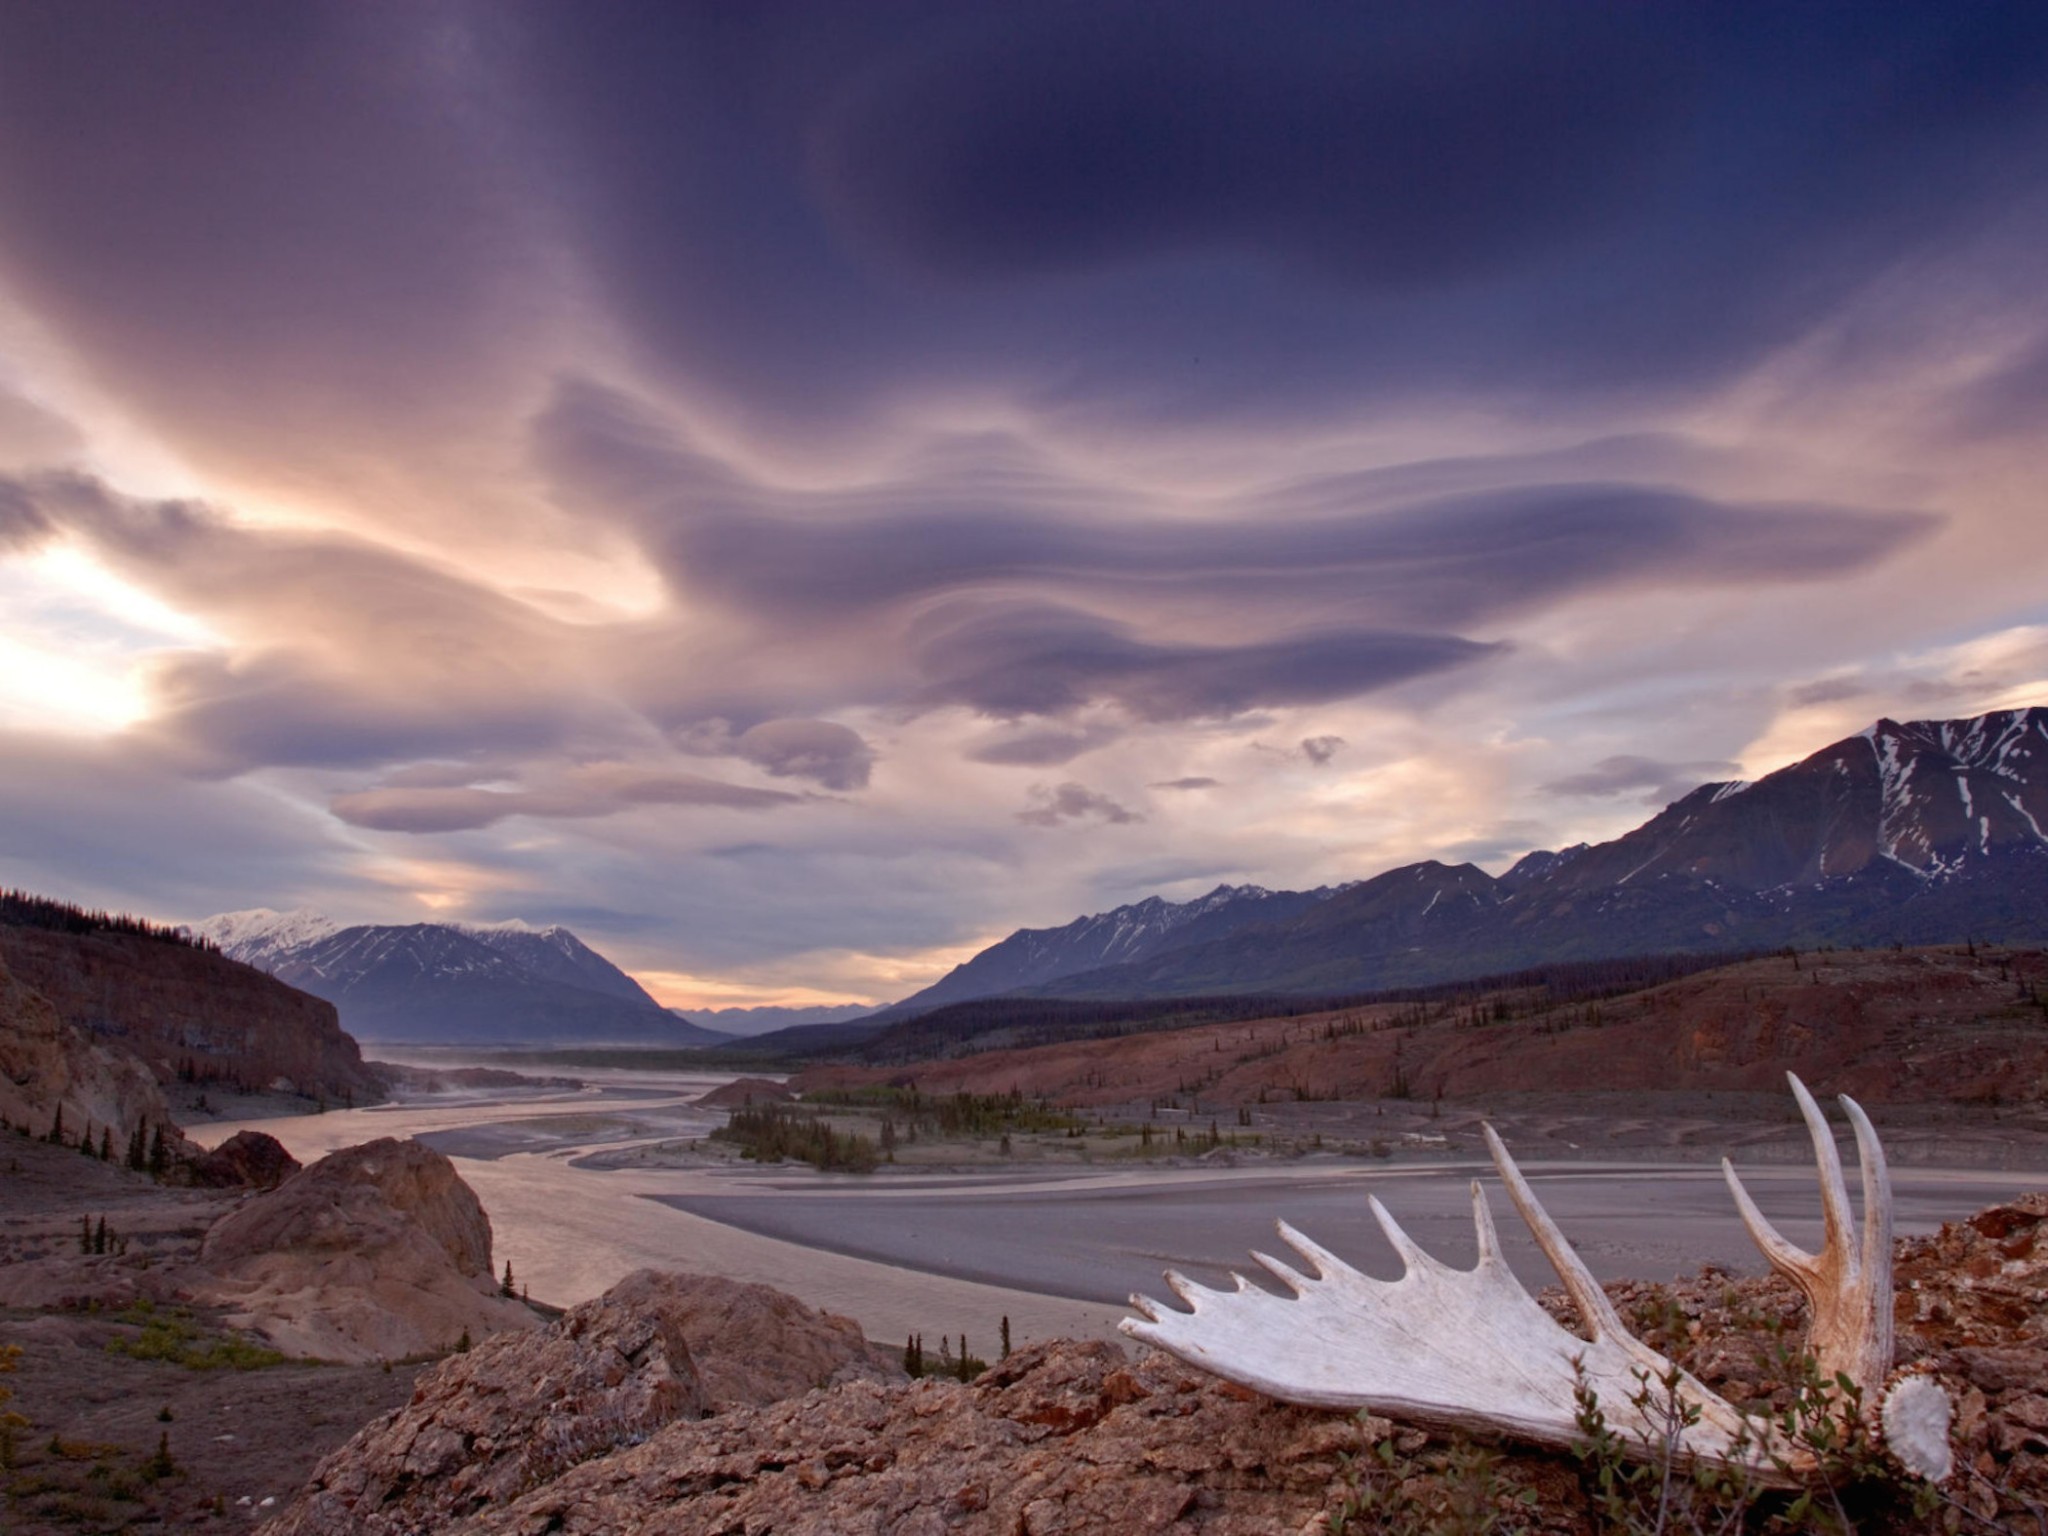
x,y
246,1160
754,1344
514,1412
376,1251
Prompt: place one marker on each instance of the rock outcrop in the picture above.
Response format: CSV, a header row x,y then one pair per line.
x,y
516,1411
48,1064
742,1091
521,1410
754,1344
185,1011
378,1250
246,1160
1080,1439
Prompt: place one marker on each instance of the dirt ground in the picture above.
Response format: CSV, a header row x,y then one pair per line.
x,y
240,1442
87,1459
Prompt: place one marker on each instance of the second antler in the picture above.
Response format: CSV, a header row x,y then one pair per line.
x,y
1472,1350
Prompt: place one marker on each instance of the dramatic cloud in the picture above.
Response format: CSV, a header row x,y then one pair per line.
x,y
599,789
1664,781
1073,802
818,750
808,749
501,451
1011,660
1040,748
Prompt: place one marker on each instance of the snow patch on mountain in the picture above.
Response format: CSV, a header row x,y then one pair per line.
x,y
259,936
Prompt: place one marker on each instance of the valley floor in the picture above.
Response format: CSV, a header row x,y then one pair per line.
x,y
583,1186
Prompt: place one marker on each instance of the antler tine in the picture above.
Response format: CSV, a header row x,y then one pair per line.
x,y
1579,1283
1482,1224
1793,1262
1409,1251
1837,1226
1877,1193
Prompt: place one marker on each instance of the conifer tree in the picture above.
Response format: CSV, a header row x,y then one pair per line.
x,y
1006,1335
99,1237
106,1145
85,1234
505,1286
57,1128
138,1146
159,1154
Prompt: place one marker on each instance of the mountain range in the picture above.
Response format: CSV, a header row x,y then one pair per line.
x,y
453,983
1129,935
766,1017
1919,832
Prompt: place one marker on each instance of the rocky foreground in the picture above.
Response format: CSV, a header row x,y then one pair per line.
x,y
604,1425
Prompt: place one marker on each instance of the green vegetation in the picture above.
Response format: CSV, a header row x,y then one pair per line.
x,y
1463,1489
961,1367
772,1133
172,1335
954,1114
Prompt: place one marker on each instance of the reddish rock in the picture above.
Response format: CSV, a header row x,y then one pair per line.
x,y
247,1160
516,1411
1078,1439
48,1064
179,1009
753,1344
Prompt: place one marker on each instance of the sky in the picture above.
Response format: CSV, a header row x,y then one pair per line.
x,y
795,492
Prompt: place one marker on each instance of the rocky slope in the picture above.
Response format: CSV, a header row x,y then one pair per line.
x,y
376,1251
521,1410
1088,1440
445,983
49,1065
188,1012
1948,1025
1919,832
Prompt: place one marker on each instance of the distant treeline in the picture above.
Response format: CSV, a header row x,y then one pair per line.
x,y
21,909
1002,1023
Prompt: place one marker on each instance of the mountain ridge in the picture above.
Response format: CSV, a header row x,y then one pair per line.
x,y
1908,832
455,983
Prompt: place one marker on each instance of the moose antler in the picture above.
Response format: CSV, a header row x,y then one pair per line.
x,y
1472,1350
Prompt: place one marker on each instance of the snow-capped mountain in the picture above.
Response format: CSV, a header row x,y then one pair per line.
x,y
1032,957
259,935
447,983
1922,832
557,954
